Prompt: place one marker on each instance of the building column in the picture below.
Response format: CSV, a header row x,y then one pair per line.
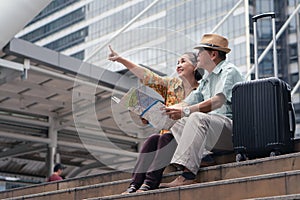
x,y
52,147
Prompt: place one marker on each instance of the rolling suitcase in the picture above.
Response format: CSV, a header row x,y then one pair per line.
x,y
263,114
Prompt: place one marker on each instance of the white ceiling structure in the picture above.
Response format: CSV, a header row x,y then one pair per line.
x,y
57,108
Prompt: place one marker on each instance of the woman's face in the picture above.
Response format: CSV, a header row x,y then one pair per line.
x,y
184,68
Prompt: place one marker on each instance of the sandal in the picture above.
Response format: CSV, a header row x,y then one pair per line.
x,y
144,188
131,189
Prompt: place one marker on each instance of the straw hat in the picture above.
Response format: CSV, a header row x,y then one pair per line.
x,y
214,41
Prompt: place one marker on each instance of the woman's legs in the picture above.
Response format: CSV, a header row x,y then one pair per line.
x,y
145,159
165,149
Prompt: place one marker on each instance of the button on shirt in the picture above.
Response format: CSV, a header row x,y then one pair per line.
x,y
220,81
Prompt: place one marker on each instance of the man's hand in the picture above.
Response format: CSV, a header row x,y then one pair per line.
x,y
113,56
174,112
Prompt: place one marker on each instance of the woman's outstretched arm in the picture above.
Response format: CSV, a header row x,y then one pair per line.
x,y
137,70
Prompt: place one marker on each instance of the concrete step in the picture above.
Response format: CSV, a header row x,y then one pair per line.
x,y
65,184
281,197
101,189
266,185
234,170
70,183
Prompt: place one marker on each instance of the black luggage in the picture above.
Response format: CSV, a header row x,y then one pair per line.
x,y
263,118
263,114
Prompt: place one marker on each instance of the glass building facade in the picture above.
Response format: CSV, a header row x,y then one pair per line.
x,y
62,20
83,29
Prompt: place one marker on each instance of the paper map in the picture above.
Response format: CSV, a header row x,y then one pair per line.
x,y
148,107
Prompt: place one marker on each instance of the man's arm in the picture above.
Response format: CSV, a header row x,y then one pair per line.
x,y
175,112
209,105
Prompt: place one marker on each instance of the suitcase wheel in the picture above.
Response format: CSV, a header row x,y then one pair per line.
x,y
240,157
274,153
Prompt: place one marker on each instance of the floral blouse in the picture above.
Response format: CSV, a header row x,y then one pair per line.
x,y
171,89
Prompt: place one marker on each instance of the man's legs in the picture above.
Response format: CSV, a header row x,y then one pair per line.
x,y
200,131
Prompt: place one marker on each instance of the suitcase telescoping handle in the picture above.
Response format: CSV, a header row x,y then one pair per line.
x,y
255,18
292,119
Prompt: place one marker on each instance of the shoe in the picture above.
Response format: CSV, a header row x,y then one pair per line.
x,y
131,189
207,161
179,181
144,188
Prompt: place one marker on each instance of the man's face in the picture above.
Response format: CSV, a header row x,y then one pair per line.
x,y
203,59
60,171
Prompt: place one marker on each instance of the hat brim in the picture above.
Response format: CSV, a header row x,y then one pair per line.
x,y
224,49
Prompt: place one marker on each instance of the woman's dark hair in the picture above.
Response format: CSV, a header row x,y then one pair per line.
x,y
198,73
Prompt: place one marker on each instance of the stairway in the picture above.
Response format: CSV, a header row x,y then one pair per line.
x,y
266,178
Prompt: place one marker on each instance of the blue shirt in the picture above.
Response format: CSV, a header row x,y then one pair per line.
x,y
220,81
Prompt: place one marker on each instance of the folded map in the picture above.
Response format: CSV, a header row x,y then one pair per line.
x,y
148,104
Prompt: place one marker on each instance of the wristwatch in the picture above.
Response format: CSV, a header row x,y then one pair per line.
x,y
186,111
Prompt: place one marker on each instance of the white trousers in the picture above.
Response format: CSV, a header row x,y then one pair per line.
x,y
198,132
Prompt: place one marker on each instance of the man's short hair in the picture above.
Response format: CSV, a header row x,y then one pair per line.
x,y
58,167
221,54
